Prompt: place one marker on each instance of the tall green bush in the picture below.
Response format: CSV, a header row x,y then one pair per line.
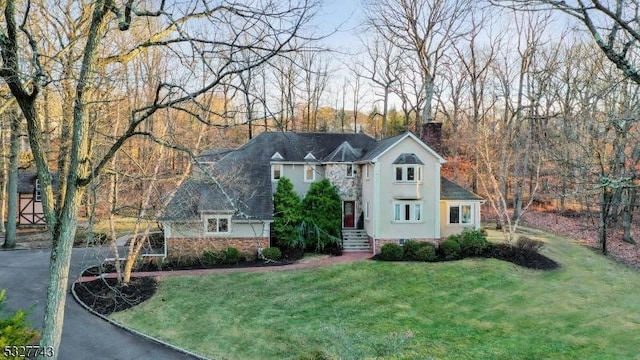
x,y
287,215
473,242
450,248
15,330
322,208
391,252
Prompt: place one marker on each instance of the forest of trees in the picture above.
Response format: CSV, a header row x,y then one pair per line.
x,y
539,99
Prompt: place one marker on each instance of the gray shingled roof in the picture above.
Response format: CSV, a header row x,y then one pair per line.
x,y
452,191
244,175
27,181
379,147
344,153
407,159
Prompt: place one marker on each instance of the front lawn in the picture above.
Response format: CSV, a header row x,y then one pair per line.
x,y
469,309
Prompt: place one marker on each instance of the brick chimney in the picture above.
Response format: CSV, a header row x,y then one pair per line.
x,y
432,135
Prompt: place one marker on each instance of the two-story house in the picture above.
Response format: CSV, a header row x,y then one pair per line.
x,y
391,191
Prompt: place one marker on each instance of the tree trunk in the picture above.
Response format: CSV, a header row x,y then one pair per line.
x,y
60,260
627,216
12,182
605,205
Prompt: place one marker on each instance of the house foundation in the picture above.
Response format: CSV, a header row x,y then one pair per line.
x,y
194,247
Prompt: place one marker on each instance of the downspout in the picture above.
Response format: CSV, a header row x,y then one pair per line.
x,y
376,205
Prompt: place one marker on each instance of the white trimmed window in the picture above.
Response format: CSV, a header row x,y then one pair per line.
x,y
408,173
407,211
217,224
37,195
366,210
276,172
367,175
309,173
350,171
460,214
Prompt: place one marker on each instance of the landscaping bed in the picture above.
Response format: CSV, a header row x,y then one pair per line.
x,y
106,296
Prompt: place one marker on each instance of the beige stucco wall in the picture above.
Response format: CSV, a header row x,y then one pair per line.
x,y
428,192
447,229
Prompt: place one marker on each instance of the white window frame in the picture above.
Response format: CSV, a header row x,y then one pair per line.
x,y
273,171
407,212
404,175
217,232
313,172
460,222
352,173
37,195
366,210
367,172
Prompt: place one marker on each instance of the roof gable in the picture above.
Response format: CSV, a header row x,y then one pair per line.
x,y
383,146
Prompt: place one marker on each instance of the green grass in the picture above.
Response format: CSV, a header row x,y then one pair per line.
x,y
470,309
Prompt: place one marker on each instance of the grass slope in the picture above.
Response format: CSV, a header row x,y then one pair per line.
x,y
470,309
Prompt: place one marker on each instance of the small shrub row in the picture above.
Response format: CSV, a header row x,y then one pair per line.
x,y
467,243
411,251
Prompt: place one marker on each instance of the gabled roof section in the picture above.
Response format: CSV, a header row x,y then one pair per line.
x,y
27,181
385,145
410,159
277,156
310,156
452,191
194,197
344,153
295,147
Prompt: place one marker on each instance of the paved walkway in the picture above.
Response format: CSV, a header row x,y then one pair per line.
x,y
24,273
312,263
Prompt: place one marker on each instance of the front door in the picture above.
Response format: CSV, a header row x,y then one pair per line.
x,y
348,217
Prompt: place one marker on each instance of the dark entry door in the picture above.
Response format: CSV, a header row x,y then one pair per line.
x,y
348,217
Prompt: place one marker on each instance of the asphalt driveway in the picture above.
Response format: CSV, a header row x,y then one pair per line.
x,y
24,274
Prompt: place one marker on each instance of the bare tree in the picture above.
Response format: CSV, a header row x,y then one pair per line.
x,y
382,68
614,25
423,28
24,70
315,71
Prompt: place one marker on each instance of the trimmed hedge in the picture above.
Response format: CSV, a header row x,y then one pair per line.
x,y
450,248
473,242
426,252
272,253
391,252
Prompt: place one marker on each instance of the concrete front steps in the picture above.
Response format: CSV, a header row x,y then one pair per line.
x,y
355,241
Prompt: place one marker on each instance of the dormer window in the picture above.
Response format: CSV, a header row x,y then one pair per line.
x,y
408,168
408,173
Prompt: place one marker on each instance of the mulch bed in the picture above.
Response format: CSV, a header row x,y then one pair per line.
x,y
173,266
530,260
106,296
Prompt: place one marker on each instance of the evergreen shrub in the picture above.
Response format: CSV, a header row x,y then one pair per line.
x,y
391,252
